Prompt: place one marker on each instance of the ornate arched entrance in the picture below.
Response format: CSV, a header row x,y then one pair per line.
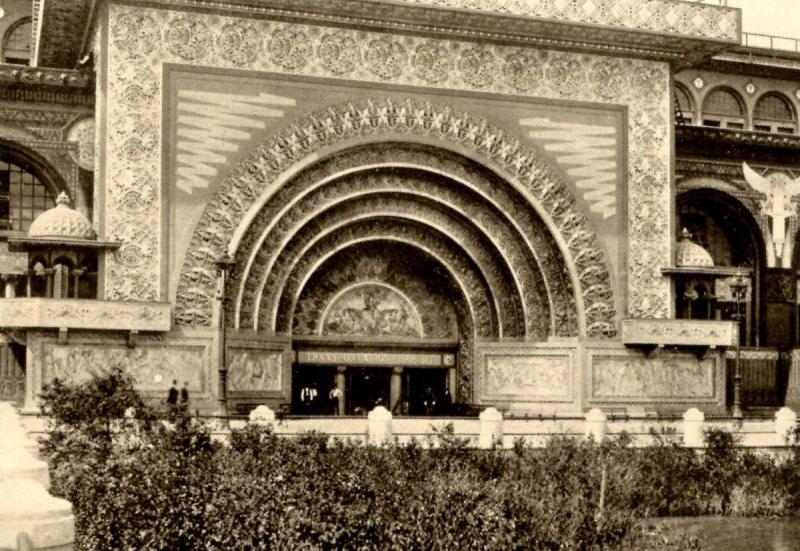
x,y
384,213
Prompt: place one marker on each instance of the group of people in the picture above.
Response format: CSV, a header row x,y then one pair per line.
x,y
177,401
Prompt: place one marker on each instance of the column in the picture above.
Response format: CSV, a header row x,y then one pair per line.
x,y
10,281
76,276
395,388
341,386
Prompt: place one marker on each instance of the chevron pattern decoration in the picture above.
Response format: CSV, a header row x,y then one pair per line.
x,y
587,152
212,125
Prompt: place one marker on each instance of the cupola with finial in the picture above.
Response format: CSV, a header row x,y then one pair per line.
x,y
62,250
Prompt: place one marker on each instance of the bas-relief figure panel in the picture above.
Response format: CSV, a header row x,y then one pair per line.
x,y
154,367
671,376
372,310
526,376
250,369
140,39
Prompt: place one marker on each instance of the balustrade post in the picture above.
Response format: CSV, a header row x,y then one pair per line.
x,y
491,428
596,425
785,425
693,435
379,426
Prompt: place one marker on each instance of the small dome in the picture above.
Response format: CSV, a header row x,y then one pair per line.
x,y
62,222
690,254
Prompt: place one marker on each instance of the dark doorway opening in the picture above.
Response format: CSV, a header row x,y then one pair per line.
x,y
311,386
426,392
367,387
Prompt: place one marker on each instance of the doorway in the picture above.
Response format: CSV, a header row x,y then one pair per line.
x,y
367,387
311,386
426,391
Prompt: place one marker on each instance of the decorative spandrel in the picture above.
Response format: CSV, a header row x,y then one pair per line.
x,y
371,310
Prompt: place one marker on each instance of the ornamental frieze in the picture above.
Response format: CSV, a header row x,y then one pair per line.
x,y
141,39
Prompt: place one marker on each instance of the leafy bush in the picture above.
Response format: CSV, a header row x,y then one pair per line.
x,y
141,485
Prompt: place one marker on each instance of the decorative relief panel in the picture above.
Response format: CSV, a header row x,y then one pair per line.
x,y
142,38
154,363
666,377
251,369
369,310
529,376
431,296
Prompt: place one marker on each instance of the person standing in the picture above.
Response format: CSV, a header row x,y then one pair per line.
x,y
337,400
172,400
184,407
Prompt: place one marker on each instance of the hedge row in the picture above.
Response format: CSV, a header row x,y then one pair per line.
x,y
156,488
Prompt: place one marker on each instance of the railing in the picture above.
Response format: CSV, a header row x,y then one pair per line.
x,y
764,377
771,42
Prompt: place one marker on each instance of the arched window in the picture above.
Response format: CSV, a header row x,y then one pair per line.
x,y
774,113
685,111
729,234
22,197
17,43
723,108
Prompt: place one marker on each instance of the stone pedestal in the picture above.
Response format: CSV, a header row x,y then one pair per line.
x,y
491,428
29,513
693,436
785,425
262,416
379,426
596,425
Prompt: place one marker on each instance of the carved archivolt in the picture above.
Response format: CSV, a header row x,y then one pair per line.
x,y
414,170
514,276
340,124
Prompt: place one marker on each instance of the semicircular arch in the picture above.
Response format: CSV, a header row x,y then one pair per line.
x,y
338,128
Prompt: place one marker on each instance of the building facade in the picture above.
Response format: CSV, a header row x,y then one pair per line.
x,y
428,201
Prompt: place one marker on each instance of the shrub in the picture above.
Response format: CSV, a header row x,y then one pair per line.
x,y
173,488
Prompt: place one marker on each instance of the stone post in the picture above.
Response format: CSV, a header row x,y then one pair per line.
x,y
596,425
491,429
262,416
379,426
693,436
785,424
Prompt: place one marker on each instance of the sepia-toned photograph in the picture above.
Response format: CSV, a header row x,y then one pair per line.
x,y
399,275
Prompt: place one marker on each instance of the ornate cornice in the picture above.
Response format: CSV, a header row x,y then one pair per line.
x,y
28,313
668,30
640,332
